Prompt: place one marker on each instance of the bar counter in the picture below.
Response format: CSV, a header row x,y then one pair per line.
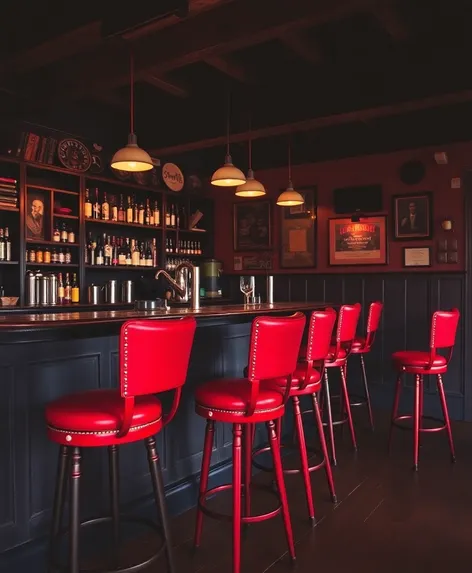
x,y
64,352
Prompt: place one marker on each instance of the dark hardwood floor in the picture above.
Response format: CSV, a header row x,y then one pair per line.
x,y
388,518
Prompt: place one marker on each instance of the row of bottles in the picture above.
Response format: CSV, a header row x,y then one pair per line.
x,y
171,264
183,247
63,234
120,251
48,256
133,211
5,245
49,289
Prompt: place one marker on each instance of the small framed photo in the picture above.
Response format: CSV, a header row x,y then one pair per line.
x,y
37,214
412,216
358,243
252,226
416,256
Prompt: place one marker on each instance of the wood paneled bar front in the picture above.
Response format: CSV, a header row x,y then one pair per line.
x,y
43,356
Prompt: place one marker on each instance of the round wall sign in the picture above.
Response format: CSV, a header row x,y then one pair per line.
x,y
74,155
173,177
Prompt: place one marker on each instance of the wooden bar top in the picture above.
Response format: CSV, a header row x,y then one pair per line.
x,y
67,319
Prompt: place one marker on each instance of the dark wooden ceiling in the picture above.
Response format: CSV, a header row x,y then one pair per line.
x,y
339,78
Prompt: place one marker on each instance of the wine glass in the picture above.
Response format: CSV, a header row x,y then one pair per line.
x,y
246,285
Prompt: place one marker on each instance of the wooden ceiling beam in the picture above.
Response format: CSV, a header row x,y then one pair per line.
x,y
389,19
165,85
305,48
363,115
229,68
221,30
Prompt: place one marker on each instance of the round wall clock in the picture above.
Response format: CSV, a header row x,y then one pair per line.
x,y
173,177
74,155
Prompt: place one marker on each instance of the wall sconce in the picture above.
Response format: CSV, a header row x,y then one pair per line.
x,y
446,224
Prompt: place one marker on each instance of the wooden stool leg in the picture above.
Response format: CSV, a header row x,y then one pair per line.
x,y
416,420
303,457
396,403
447,421
348,407
160,497
279,477
205,472
330,417
237,458
59,498
324,447
366,392
74,511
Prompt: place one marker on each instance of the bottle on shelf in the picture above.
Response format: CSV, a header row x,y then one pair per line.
x,y
105,208
56,236
3,247
88,205
75,291
7,244
121,211
96,206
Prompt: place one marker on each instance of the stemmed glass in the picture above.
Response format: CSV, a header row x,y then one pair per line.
x,y
246,285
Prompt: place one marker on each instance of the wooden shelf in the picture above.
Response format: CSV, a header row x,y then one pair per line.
x,y
54,265
54,243
120,268
75,217
119,224
180,230
8,262
121,183
13,209
49,188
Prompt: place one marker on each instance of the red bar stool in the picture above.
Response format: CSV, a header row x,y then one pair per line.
x,y
363,345
443,335
273,352
306,381
110,418
348,319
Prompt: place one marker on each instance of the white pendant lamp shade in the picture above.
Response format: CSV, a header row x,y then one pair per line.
x,y
252,187
228,175
290,197
132,157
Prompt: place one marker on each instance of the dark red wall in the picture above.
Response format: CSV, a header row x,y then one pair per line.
x,y
383,169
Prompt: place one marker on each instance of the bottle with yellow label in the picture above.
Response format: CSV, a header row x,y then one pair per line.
x,y
88,205
75,291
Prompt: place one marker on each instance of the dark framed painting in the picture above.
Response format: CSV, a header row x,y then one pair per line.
x,y
416,256
298,233
412,216
358,243
252,226
37,208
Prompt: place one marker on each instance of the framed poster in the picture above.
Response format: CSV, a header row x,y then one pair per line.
x,y
416,256
412,216
252,226
298,233
361,243
36,214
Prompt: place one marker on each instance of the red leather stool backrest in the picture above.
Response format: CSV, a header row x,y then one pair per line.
x,y
274,346
348,319
154,355
444,328
320,333
373,322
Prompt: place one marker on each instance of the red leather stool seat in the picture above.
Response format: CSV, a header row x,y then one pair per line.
x,y
298,378
415,360
228,398
359,345
95,417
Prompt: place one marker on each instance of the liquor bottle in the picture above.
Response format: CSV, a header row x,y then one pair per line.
x,y
122,254
96,206
114,212
128,253
75,291
135,211
107,250
149,257
100,259
88,205
67,290
134,253
172,216
154,252
148,213
70,235
56,236
168,216
60,289
7,245
3,247
142,255
129,211
157,215
141,212
121,211
105,208
90,259
114,257
64,233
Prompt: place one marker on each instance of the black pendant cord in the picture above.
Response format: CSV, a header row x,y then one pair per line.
x,y
250,144
228,114
289,161
131,97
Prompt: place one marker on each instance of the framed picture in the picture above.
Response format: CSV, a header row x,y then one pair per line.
x,y
412,216
298,233
416,256
36,214
359,243
252,226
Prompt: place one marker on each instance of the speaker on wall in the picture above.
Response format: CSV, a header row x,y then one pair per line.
x,y
362,199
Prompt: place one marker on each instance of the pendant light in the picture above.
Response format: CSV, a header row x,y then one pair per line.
x,y
132,157
228,175
252,187
290,197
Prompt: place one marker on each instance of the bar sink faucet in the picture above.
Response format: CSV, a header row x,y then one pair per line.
x,y
186,283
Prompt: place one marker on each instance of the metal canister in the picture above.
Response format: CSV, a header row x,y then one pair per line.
x,y
111,292
44,290
211,273
94,294
52,294
127,291
30,286
270,289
